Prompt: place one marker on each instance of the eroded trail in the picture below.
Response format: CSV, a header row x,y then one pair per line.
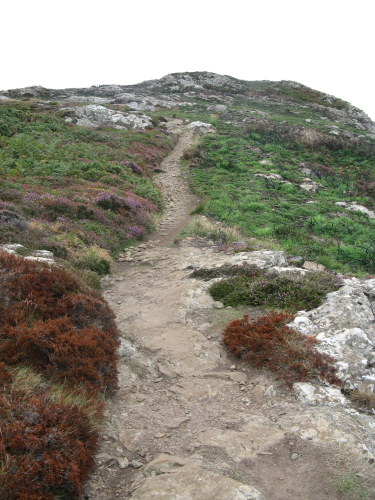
x,y
187,421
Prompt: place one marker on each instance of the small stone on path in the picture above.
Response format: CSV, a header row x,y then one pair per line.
x,y
136,464
123,462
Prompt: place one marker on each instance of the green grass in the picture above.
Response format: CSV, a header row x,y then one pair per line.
x,y
262,208
252,286
52,172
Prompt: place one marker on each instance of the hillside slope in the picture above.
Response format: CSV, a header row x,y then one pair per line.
x,y
298,165
282,182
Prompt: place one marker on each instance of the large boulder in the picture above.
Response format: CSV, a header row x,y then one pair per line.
x,y
344,326
95,115
35,91
217,108
202,127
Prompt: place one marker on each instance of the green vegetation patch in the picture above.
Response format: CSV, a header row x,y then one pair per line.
x,y
250,285
74,190
254,177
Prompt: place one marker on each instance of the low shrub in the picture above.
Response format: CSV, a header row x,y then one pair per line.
x,y
48,438
267,342
250,285
49,321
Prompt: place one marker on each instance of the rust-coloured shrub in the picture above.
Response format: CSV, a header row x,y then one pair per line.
x,y
60,352
48,321
47,444
267,342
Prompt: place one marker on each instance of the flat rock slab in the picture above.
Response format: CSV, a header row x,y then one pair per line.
x,y
195,483
258,436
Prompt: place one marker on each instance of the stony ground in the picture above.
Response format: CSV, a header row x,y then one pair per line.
x,y
189,421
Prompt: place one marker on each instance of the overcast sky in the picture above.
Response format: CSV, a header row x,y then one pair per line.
x,y
327,45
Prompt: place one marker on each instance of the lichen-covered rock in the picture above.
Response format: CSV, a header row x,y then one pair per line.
x,y
217,108
311,395
344,325
94,115
92,99
202,127
265,259
35,91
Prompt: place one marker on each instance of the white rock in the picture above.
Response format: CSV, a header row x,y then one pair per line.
x,y
217,108
11,247
43,253
271,392
202,127
92,99
310,395
359,208
40,259
123,462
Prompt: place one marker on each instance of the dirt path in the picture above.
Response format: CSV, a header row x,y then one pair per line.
x,y
188,422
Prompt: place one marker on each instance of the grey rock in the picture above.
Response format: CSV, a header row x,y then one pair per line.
x,y
40,259
310,395
294,259
13,220
91,99
271,392
43,253
35,91
294,456
123,462
136,464
202,127
94,115
11,247
218,305
217,108
313,266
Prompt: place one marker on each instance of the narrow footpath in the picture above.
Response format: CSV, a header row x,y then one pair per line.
x,y
189,421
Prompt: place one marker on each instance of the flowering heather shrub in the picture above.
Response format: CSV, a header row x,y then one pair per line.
x,y
267,342
135,168
48,438
56,325
46,164
250,285
110,201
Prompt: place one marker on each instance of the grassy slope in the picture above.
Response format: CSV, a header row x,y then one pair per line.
x,y
87,194
53,175
225,167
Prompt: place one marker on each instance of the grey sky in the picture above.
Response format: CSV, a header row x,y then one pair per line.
x,y
327,45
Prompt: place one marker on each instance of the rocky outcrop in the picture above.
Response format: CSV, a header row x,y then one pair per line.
x,y
345,327
355,207
91,99
148,103
202,127
217,108
94,115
